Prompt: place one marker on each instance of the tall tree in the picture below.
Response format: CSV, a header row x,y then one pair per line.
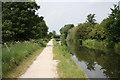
x,y
20,22
91,19
112,25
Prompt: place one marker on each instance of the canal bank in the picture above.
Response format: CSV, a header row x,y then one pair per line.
x,y
96,63
66,68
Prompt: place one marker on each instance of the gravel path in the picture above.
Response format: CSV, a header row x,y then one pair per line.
x,y
44,66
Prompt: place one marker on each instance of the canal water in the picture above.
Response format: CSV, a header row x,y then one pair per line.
x,y
96,63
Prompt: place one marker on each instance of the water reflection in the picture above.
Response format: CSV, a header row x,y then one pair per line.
x,y
95,63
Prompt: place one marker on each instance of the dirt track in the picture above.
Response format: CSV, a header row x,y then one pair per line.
x,y
44,66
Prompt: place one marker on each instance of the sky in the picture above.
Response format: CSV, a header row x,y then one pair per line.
x,y
58,13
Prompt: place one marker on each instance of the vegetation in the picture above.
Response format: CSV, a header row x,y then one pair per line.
x,y
95,44
101,45
22,22
67,68
112,25
15,53
106,34
53,35
63,40
91,19
92,56
64,31
23,32
24,64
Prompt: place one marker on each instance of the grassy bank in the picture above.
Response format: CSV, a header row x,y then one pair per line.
x,y
17,57
100,45
66,68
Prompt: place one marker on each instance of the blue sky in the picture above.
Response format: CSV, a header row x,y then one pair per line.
x,y
58,13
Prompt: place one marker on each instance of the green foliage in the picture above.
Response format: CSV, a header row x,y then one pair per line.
x,y
79,33
63,40
50,35
57,36
18,51
117,47
98,32
91,19
70,36
54,33
20,21
7,33
64,31
108,29
95,44
82,31
112,26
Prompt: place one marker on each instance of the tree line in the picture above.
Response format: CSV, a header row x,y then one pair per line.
x,y
21,22
108,29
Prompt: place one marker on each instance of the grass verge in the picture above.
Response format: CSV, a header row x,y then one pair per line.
x,y
66,67
20,58
23,66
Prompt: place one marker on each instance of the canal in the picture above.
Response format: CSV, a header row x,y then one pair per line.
x,y
96,63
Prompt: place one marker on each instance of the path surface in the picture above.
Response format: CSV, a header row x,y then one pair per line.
x,y
44,66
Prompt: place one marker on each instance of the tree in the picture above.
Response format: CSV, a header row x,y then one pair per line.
x,y
91,19
43,29
50,35
20,22
54,33
7,31
112,26
98,32
64,31
82,31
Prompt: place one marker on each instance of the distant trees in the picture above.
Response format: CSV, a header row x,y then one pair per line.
x,y
83,30
64,31
80,32
108,29
54,33
50,35
21,23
